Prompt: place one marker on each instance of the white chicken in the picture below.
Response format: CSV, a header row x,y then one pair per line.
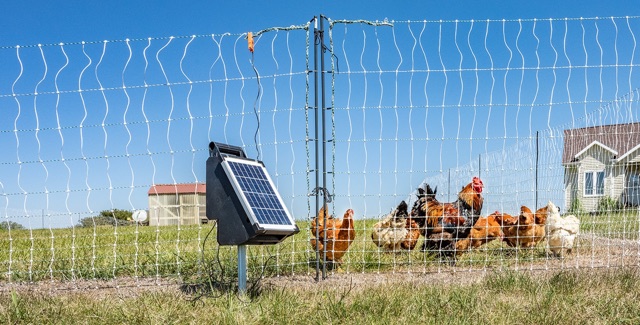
x,y
561,232
391,231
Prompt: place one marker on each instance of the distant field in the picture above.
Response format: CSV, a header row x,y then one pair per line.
x,y
128,251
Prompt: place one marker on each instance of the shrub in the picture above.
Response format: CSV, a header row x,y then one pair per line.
x,y
103,221
6,225
576,206
608,204
108,218
117,213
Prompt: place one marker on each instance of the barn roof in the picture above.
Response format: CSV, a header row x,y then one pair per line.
x,y
178,188
619,139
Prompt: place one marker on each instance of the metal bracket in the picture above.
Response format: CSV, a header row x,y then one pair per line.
x,y
316,191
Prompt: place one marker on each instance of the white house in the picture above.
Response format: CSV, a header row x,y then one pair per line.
x,y
174,204
602,161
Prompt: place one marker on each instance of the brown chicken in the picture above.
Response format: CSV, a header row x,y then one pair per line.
x,y
540,219
509,228
444,223
485,230
339,235
411,239
527,230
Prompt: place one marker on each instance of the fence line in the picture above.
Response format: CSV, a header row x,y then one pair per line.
x,y
90,127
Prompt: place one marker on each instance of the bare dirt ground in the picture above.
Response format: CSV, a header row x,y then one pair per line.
x,y
593,254
120,287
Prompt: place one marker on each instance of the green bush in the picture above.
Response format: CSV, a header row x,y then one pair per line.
x,y
608,204
103,221
576,206
108,218
6,225
117,213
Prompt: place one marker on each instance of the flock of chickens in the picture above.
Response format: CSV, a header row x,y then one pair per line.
x,y
449,229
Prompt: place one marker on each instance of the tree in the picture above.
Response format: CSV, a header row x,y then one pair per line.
x,y
117,213
6,225
108,218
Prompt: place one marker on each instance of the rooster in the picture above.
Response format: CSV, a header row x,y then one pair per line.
x,y
561,232
484,230
443,223
339,235
390,233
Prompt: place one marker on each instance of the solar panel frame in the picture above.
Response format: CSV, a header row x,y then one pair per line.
x,y
251,189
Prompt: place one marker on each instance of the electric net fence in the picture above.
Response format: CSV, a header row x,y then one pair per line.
x,y
541,110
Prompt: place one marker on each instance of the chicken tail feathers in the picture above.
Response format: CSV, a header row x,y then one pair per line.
x,y
403,206
429,192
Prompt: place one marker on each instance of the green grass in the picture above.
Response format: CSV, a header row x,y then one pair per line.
x,y
623,224
106,252
597,297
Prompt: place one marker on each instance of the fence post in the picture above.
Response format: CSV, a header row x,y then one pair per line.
x,y
317,147
320,148
324,138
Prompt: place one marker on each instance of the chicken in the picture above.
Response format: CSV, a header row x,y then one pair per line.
x,y
390,233
444,223
525,228
527,232
339,235
561,232
509,228
539,219
413,234
484,230
531,226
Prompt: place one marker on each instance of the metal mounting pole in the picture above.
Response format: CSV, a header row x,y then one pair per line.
x,y
324,139
317,145
242,269
320,148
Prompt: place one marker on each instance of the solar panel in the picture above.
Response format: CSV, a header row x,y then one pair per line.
x,y
258,194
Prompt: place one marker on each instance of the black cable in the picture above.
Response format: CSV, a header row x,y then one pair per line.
x,y
325,49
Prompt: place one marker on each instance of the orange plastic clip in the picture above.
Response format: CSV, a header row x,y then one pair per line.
x,y
250,41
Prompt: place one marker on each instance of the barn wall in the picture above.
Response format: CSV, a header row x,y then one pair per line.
x,y
183,209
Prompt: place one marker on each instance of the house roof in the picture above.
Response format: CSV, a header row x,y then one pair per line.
x,y
595,143
619,139
178,188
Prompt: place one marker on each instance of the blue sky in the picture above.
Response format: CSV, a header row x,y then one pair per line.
x,y
380,68
33,22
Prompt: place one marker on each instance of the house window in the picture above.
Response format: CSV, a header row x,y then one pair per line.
x,y
594,183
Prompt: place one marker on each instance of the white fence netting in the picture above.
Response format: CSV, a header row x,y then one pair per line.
x,y
89,129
